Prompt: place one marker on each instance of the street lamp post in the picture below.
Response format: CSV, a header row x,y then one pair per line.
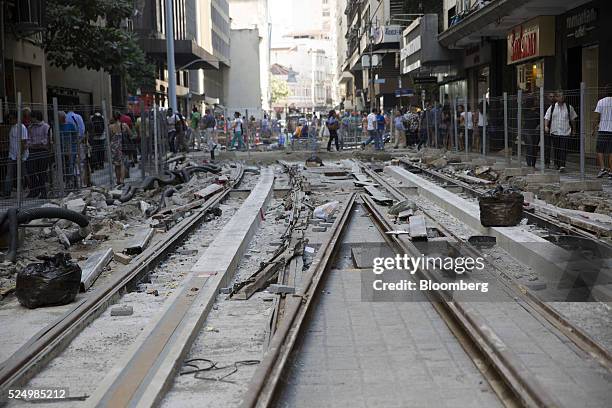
x,y
170,55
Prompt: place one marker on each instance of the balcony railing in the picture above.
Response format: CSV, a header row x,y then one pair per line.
x,y
26,16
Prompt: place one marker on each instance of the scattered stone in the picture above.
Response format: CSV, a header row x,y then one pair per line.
x,y
153,292
439,163
280,289
319,229
122,310
225,291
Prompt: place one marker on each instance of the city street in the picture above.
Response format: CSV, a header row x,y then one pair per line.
x,y
323,203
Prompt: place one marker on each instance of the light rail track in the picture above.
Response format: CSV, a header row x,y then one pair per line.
x,y
32,357
541,220
578,336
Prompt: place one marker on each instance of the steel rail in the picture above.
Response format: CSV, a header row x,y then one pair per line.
x,y
268,375
541,220
524,386
30,358
578,336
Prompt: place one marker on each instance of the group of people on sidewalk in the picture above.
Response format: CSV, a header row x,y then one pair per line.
x,y
82,150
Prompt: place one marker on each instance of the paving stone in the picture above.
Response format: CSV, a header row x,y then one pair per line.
x,y
122,310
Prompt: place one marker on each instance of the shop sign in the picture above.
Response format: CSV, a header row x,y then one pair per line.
x,y
476,55
411,48
387,34
530,40
524,44
580,24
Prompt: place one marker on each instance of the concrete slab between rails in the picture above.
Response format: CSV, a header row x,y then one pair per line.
x,y
550,262
149,366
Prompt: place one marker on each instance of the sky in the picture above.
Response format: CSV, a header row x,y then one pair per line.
x,y
281,16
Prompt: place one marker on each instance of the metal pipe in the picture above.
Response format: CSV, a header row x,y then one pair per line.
x,y
455,125
542,165
582,128
484,124
58,148
19,152
519,125
467,127
108,142
506,127
155,139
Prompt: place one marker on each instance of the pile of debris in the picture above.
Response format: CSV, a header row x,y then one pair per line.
x,y
111,214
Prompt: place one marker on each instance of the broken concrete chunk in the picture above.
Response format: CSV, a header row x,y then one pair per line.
x,y
77,205
281,289
402,206
122,310
122,258
584,185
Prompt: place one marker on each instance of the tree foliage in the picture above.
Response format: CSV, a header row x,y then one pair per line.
x,y
279,89
89,34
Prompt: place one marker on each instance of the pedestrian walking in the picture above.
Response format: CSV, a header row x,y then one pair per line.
x,y
69,146
194,125
237,130
333,125
400,130
39,134
469,117
550,101
120,133
531,130
603,121
17,135
209,123
381,125
171,121
411,119
371,126
558,122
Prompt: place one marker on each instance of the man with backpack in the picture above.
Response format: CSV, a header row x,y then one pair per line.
x,y
558,122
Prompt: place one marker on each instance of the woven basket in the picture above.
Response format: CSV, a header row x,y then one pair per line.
x,y
501,210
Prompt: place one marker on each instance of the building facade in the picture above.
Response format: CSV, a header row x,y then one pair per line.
x,y
192,46
246,16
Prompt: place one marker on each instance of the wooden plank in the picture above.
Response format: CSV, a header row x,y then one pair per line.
x,y
418,228
473,180
208,191
364,184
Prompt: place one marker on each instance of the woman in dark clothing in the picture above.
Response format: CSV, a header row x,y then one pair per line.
x,y
333,125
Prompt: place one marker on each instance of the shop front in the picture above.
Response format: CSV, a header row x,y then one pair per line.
x,y
531,47
583,43
476,62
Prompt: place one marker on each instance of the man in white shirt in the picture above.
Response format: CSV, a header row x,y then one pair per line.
x,y
372,128
558,121
603,120
18,134
469,117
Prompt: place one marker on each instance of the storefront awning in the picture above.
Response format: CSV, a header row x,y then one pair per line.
x,y
186,52
498,17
